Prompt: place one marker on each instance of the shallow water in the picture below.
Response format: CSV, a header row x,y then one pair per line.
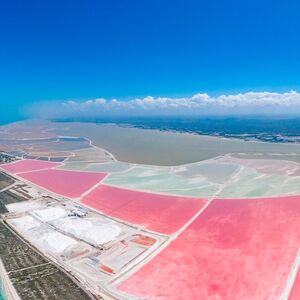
x,y
2,293
166,148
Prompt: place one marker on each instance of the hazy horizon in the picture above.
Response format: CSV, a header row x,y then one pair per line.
x,y
222,58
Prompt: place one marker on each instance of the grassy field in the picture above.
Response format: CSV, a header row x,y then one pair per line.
x,y
32,275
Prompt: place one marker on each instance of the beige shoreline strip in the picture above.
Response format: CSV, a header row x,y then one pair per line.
x,y
291,279
10,292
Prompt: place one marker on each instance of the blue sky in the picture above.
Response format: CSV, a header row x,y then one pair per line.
x,y
79,50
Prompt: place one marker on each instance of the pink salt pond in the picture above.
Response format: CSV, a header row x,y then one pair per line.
x,y
235,249
28,165
160,213
70,184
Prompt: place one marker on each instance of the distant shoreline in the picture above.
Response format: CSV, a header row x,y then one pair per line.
x,y
166,147
156,146
225,136
262,134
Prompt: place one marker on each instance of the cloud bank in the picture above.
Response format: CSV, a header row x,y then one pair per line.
x,y
251,103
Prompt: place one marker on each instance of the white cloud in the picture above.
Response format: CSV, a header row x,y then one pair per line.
x,y
199,104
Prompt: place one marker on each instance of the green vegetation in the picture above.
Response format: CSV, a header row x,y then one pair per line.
x,y
5,181
32,275
45,282
4,158
15,254
8,197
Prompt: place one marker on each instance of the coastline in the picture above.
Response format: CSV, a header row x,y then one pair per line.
x,y
229,137
201,134
165,148
248,129
155,147
2,291
8,291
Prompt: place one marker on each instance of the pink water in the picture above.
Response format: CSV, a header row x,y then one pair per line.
x,y
236,249
161,213
28,165
66,183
